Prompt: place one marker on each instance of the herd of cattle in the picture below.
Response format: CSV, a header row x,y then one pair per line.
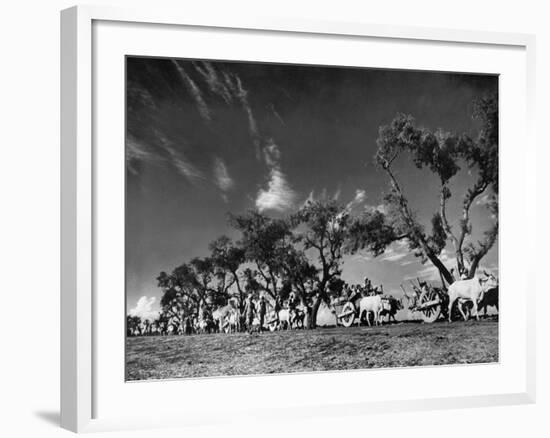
x,y
470,296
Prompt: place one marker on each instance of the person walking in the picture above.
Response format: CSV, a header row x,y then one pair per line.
x,y
249,313
262,308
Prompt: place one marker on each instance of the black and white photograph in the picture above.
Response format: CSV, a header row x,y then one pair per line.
x,y
286,218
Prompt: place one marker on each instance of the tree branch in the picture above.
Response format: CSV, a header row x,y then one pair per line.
x,y
478,188
416,234
484,247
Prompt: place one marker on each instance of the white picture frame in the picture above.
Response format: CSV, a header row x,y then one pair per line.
x,y
80,342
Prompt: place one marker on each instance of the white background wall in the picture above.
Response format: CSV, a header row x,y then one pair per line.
x,y
29,217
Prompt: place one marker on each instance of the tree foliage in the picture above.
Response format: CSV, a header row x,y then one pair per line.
x,y
444,154
324,231
266,243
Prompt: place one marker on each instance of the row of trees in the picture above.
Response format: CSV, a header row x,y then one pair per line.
x,y
304,251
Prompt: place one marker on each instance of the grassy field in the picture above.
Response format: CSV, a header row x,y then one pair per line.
x,y
397,345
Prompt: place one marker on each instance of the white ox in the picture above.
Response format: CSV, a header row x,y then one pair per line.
x,y
284,319
470,290
370,304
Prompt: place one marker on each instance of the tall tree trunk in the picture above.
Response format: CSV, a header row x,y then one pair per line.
x,y
443,271
314,312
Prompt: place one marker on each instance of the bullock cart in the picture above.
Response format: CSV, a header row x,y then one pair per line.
x,y
429,301
347,310
286,318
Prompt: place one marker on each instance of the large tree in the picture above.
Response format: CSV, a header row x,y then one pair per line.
x,y
266,242
193,285
323,229
443,154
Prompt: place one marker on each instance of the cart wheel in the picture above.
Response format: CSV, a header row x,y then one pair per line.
x,y
430,314
347,321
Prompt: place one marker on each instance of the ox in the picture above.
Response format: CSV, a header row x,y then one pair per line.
x,y
370,304
490,298
284,319
471,290
390,307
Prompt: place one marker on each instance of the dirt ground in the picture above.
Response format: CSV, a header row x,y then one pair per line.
x,y
396,345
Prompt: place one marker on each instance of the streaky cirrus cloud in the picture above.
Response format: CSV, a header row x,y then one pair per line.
x,y
145,308
213,80
195,92
222,179
242,95
176,156
138,151
163,151
184,166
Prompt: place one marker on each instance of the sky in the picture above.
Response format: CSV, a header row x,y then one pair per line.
x,y
204,138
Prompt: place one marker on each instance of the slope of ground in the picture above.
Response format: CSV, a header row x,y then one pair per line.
x,y
397,345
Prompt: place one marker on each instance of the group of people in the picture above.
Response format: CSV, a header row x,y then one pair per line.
x,y
367,289
254,310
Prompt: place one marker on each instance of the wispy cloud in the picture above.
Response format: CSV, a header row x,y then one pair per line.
x,y
276,114
141,95
138,151
394,256
363,257
146,308
222,179
322,196
195,91
242,95
177,158
429,272
358,199
184,166
395,252
214,81
278,196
